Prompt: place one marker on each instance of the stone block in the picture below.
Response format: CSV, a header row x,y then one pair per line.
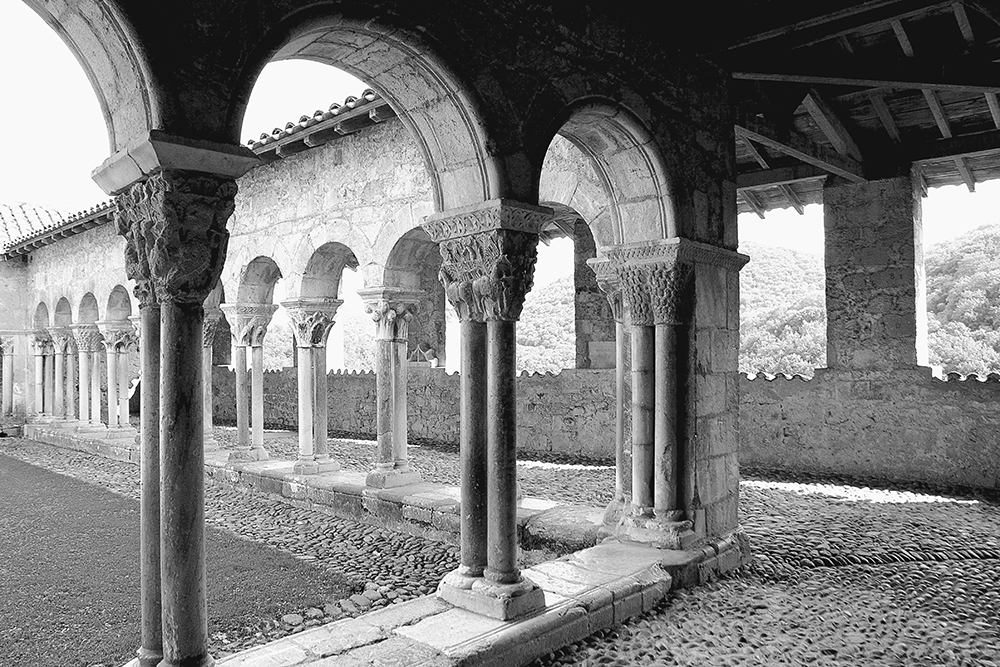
x,y
627,607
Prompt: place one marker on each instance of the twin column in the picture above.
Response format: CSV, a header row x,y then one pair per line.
x,y
488,255
249,328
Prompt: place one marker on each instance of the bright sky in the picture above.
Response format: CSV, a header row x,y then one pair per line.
x,y
55,135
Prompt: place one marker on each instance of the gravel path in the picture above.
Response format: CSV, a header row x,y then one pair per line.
x,y
843,575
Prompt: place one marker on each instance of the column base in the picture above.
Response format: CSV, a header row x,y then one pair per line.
x,y
249,455
614,512
90,427
504,602
327,464
391,478
120,432
204,661
149,658
305,467
638,525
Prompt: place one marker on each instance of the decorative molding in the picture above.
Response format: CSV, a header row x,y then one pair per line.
x,y
312,319
175,227
487,216
210,326
248,322
669,252
88,337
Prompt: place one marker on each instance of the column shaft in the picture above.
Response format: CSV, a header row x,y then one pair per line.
x,y
472,448
620,379
70,401
151,639
643,401
50,384
242,404
666,456
182,488
84,385
399,421
112,388
307,456
95,390
39,381
383,395
123,382
8,383
206,390
320,408
501,453
257,398
59,387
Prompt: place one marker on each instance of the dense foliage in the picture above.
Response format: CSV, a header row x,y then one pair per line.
x,y
547,330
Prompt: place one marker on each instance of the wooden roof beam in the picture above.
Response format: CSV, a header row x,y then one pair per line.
x,y
786,190
884,115
752,201
966,173
969,145
796,145
779,176
831,125
963,23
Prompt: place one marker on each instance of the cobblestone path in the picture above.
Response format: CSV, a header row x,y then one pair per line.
x,y
843,575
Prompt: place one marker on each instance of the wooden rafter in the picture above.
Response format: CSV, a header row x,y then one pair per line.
x,y
994,104
831,125
884,115
963,23
786,190
969,145
798,173
796,145
754,203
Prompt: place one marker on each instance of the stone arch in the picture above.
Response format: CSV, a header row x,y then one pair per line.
x,y
257,281
41,318
63,315
88,312
413,264
629,165
323,271
430,99
119,305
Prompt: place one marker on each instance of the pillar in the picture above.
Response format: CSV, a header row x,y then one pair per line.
x,y
70,406
312,319
391,309
117,336
95,385
50,379
178,218
249,325
210,327
124,380
87,337
637,294
875,289
488,254
41,340
59,342
7,341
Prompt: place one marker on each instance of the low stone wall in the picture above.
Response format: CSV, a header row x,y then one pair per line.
x,y
572,412
904,425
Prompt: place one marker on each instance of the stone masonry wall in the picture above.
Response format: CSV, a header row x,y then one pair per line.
x,y
571,413
902,425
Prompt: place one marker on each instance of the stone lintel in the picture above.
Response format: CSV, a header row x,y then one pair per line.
x,y
161,150
671,252
486,216
249,321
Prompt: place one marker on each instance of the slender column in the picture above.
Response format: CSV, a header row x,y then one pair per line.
x,y
88,339
636,293
124,378
151,640
112,367
59,375
178,218
472,447
251,322
8,375
50,380
84,412
211,326
312,318
391,309
488,255
69,408
41,341
95,388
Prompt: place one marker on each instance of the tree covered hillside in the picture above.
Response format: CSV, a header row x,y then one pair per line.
x,y
547,329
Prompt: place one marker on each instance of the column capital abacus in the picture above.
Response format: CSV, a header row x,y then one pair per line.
x,y
488,253
608,282
210,326
87,336
312,318
391,309
249,321
174,223
118,334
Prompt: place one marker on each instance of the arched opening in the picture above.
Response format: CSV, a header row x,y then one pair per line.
x,y
413,265
119,305
41,319
89,312
257,281
63,315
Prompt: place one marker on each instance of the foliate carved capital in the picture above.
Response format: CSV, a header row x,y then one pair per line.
x,y
249,321
60,337
635,294
607,281
42,342
88,337
7,342
391,309
175,227
312,319
210,326
118,336
666,289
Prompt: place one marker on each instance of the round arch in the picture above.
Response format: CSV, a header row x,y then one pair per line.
x,y
63,315
323,271
257,281
119,304
89,311
41,318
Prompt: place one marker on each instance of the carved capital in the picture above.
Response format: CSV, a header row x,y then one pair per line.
x,y
666,288
88,337
249,321
312,319
42,341
118,335
487,216
210,326
7,341
607,281
175,227
391,309
635,294
61,337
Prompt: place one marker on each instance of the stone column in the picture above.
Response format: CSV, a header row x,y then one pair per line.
x,y
312,318
60,338
116,337
391,309
88,340
875,289
211,326
488,254
607,280
177,219
125,376
50,379
41,341
95,385
249,325
69,408
7,341
637,295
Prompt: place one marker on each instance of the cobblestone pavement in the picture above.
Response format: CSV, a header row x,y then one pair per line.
x,y
843,575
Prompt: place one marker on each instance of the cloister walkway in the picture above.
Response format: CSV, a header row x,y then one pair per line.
x,y
843,575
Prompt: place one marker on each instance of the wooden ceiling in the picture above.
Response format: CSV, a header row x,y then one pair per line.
x,y
863,92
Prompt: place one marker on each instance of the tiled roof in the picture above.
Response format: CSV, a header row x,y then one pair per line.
x,y
52,227
20,220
